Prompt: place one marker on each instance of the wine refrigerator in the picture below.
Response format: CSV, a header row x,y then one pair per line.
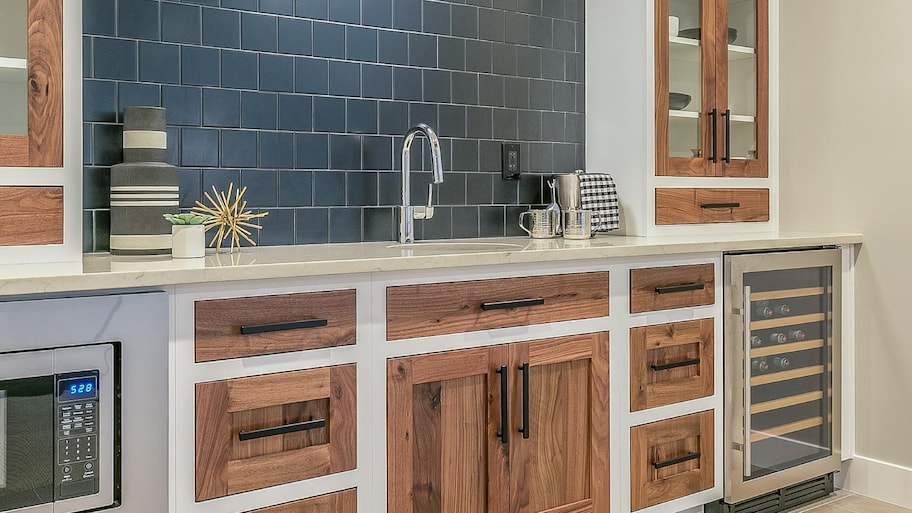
x,y
782,370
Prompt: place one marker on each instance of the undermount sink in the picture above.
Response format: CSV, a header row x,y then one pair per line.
x,y
443,246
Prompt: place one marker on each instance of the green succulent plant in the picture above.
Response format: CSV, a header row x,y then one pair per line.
x,y
187,218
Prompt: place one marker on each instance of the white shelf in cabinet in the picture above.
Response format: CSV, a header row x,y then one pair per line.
x,y
737,118
737,53
12,63
685,41
686,114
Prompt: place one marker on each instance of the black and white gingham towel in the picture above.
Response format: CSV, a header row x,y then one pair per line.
x,y
598,194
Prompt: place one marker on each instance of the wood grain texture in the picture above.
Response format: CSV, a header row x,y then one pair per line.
x,y
668,343
439,308
14,150
643,283
212,451
684,205
45,83
345,501
218,324
31,216
664,440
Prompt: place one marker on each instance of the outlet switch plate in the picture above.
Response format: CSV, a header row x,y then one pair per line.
x,y
511,167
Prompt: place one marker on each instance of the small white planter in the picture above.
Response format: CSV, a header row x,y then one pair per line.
x,y
188,241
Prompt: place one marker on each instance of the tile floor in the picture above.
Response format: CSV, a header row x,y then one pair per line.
x,y
847,502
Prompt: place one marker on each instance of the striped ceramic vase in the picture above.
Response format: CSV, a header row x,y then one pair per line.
x,y
144,187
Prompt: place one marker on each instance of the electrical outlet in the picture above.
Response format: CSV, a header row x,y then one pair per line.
x,y
511,165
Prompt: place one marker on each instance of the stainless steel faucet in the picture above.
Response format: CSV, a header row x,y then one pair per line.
x,y
408,213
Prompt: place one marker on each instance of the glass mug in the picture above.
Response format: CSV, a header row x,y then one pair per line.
x,y
577,224
543,224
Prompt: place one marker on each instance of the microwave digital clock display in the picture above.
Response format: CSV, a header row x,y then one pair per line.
x,y
77,389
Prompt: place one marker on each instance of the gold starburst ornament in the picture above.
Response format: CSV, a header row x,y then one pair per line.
x,y
230,215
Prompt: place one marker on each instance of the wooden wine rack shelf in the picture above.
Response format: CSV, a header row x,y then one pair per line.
x,y
785,429
785,402
792,320
791,347
789,293
776,377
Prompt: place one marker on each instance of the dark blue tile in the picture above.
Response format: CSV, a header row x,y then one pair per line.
x,y
295,36
311,225
258,32
241,5
329,188
437,86
220,179
407,84
541,95
530,125
564,157
489,157
180,23
479,56
516,92
378,224
285,7
390,189
86,57
553,64
190,184
199,66
137,19
452,191
451,53
295,112
221,107
491,90
480,122
311,151
212,3
508,5
423,50
221,28
564,96
173,151
258,110
575,10
465,88
377,153
530,190
530,6
96,187
329,114
564,35
440,226
345,225
376,81
553,126
465,155
574,67
407,14
452,120
239,69
344,78
465,222
393,47
314,9
261,188
311,75
511,214
184,105
362,116
329,40
377,13
99,17
576,128
362,189
436,18
115,59
102,229
295,188
540,31
277,150
517,28
541,158
528,62
465,21
87,144
504,59
393,118
278,228
491,25
107,143
345,11
199,147
344,152
130,94
490,221
99,101
239,148
361,44
423,113
276,73
159,63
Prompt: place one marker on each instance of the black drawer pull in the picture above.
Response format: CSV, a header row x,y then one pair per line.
x,y
504,406
675,365
282,430
687,287
524,368
720,205
283,326
675,461
519,303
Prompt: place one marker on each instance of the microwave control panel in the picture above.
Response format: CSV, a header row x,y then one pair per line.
x,y
76,473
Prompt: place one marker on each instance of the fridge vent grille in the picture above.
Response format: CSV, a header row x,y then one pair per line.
x,y
783,499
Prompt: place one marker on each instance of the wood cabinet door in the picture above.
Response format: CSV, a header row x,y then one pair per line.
x,y
444,421
559,456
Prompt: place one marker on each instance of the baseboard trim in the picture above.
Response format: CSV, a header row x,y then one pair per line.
x,y
879,480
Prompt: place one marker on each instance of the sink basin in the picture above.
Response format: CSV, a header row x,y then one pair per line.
x,y
441,247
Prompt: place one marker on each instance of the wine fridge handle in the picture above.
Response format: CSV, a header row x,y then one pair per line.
x,y
712,118
727,157
746,311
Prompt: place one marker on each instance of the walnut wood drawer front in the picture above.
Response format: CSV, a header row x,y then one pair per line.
x,y
695,206
266,430
670,459
663,288
670,363
252,326
345,501
457,307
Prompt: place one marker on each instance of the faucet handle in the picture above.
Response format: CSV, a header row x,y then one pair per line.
x,y
428,211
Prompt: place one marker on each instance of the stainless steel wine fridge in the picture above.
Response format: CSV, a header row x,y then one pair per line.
x,y
782,370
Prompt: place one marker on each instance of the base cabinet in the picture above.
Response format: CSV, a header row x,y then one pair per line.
x,y
345,501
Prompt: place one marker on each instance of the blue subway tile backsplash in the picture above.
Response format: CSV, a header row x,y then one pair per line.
x,y
305,103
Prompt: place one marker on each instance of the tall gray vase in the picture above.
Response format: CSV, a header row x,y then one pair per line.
x,y
144,187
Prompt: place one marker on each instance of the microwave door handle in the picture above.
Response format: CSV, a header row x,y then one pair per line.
x,y
746,452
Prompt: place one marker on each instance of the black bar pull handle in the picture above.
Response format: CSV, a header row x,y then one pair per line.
x,y
283,326
727,158
282,430
675,461
504,433
715,133
720,205
524,368
675,365
680,288
518,303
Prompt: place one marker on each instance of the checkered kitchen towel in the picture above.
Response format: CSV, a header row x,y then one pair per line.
x,y
598,194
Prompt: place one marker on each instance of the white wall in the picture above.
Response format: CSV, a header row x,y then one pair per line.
x,y
846,147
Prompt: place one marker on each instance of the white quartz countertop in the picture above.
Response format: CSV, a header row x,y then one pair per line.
x,y
103,271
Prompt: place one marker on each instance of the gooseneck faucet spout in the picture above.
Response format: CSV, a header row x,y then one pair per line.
x,y
408,213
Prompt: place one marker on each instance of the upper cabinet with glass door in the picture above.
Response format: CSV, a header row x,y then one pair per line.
x,y
712,87
31,83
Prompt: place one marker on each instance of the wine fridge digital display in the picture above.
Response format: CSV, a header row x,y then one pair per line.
x,y
782,369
